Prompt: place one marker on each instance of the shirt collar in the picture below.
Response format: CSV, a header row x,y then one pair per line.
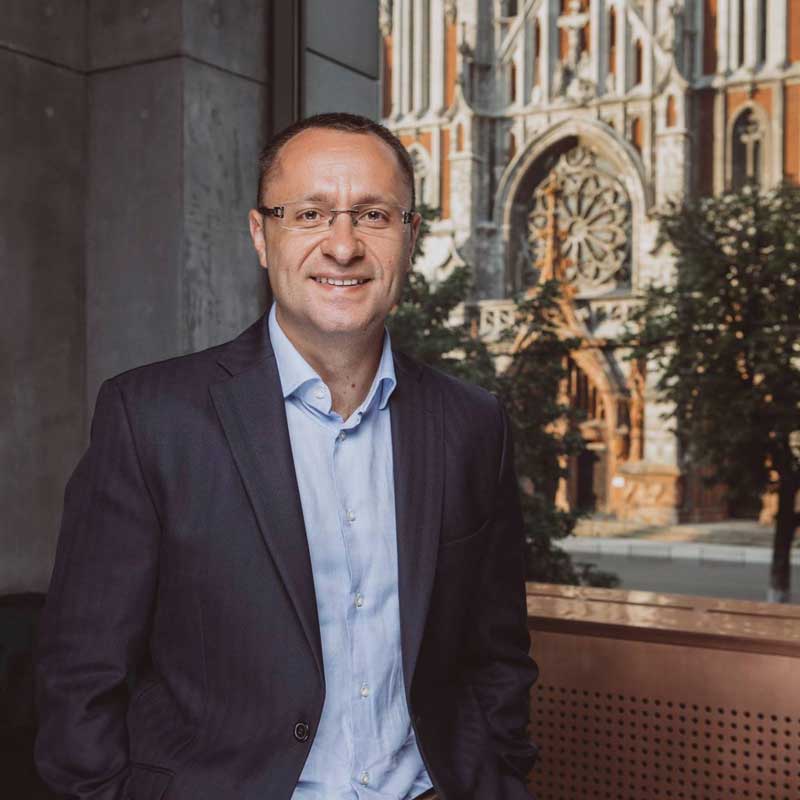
x,y
298,378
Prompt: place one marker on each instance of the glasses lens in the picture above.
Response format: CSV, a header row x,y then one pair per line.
x,y
374,219
378,217
306,216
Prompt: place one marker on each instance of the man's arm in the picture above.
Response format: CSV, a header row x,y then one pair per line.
x,y
95,623
503,671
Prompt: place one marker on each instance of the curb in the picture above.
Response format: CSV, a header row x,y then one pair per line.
x,y
691,551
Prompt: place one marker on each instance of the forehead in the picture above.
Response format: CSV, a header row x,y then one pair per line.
x,y
325,160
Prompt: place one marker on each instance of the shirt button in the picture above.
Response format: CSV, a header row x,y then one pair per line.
x,y
342,436
364,778
301,731
359,599
351,516
364,690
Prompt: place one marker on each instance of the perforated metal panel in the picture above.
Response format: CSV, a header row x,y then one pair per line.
x,y
604,745
664,698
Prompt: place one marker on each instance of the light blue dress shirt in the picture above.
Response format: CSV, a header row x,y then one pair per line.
x,y
365,747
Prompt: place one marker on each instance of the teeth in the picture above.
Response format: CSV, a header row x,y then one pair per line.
x,y
340,282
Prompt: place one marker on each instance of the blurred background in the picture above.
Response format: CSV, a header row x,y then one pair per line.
x,y
610,243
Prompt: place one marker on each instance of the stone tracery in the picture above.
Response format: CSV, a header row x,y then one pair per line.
x,y
593,221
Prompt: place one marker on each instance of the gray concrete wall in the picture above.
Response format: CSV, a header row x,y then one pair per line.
x,y
128,161
42,154
179,99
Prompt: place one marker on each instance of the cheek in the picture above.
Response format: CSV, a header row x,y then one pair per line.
x,y
288,258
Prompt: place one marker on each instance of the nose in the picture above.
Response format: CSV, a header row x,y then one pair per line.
x,y
341,243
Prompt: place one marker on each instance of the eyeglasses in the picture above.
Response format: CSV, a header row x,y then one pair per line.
x,y
313,216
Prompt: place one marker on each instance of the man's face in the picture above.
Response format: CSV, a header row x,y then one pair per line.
x,y
343,169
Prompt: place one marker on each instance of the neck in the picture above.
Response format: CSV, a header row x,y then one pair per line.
x,y
347,364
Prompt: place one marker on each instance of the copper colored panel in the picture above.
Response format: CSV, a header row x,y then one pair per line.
x,y
687,715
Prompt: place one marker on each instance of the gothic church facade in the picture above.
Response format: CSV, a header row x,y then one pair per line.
x,y
539,121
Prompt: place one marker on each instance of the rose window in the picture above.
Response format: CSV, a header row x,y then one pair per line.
x,y
591,213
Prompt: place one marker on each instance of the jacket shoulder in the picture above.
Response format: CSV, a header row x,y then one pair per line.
x,y
192,370
456,393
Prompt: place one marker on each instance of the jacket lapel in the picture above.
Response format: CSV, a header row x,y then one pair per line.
x,y
418,454
251,409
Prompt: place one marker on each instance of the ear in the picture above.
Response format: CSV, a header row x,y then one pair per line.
x,y
258,235
416,220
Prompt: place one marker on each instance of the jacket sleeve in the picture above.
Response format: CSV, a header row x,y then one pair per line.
x,y
503,670
95,623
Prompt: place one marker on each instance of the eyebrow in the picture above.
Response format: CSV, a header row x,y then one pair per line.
x,y
318,197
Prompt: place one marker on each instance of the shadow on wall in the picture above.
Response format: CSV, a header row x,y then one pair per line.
x,y
19,615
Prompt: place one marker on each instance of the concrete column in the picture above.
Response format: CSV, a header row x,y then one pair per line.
x,y
42,249
174,142
128,149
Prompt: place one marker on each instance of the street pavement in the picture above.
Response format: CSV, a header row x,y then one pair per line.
x,y
721,559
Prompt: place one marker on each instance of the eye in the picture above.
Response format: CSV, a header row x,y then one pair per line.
x,y
309,215
374,216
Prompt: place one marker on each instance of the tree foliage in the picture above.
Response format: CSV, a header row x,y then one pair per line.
x,y
724,339
544,428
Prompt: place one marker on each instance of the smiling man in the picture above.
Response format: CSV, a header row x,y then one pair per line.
x,y
305,546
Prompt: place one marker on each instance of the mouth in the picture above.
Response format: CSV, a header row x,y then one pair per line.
x,y
340,282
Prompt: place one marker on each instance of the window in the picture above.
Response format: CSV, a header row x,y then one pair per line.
x,y
746,150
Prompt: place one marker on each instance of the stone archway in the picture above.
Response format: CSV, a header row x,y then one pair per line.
x,y
578,228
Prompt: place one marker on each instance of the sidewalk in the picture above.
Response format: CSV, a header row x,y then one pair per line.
x,y
730,541
735,532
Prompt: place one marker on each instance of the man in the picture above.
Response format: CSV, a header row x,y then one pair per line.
x,y
305,546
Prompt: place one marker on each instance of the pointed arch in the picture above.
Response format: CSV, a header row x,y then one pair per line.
x,y
423,174
748,152
615,149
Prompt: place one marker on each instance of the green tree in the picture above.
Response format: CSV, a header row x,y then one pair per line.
x,y
545,429
724,339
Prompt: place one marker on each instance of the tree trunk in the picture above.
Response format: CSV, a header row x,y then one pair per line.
x,y
785,524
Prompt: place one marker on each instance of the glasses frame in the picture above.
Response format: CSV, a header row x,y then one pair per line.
x,y
277,212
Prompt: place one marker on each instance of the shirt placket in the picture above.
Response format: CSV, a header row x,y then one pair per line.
x,y
360,690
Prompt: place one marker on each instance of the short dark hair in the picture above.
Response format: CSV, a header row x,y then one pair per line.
x,y
339,121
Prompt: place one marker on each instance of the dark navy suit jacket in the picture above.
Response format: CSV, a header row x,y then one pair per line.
x,y
183,558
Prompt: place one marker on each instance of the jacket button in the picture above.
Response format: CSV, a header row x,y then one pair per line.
x,y
301,732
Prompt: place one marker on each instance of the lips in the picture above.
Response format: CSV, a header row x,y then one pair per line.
x,y
325,281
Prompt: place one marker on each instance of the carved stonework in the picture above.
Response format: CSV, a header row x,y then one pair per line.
x,y
385,17
636,385
646,493
573,78
450,11
670,24
592,220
